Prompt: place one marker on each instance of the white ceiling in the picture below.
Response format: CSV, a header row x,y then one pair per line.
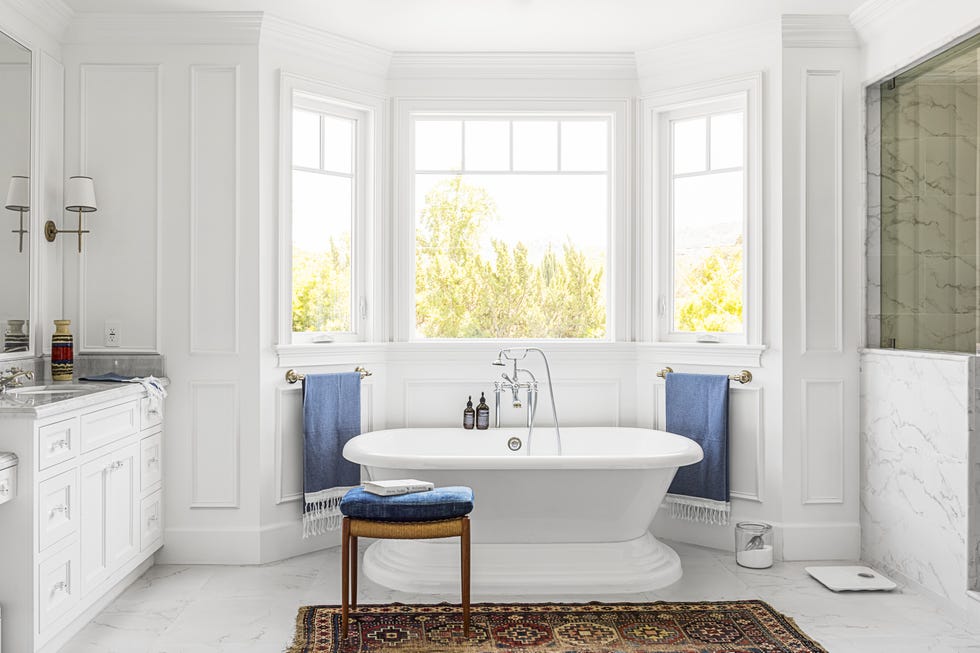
x,y
501,25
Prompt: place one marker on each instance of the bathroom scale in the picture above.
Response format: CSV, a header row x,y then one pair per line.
x,y
851,579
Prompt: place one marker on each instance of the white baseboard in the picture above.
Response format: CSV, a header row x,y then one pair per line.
x,y
821,541
198,546
793,541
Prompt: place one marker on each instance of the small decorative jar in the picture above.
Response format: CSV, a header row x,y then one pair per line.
x,y
62,352
15,339
753,544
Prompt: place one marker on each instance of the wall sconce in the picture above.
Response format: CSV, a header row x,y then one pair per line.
x,y
19,199
79,196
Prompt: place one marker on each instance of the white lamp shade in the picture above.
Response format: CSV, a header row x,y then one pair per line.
x,y
19,194
80,194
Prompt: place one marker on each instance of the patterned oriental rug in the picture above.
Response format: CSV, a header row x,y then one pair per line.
x,y
706,627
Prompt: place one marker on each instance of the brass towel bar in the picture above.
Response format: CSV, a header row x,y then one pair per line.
x,y
744,376
293,377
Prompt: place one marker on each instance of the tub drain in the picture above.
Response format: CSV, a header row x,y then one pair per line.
x,y
514,444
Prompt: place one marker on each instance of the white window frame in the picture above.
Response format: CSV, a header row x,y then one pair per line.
x,y
743,94
618,313
305,94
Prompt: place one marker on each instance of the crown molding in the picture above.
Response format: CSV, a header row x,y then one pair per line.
x,y
53,16
818,31
513,65
873,11
691,53
183,28
312,42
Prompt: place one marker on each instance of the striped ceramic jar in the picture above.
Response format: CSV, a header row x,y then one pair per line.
x,y
62,352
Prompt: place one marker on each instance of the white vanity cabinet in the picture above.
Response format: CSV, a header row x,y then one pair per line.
x,y
88,515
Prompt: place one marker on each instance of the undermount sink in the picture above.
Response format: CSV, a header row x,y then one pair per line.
x,y
53,389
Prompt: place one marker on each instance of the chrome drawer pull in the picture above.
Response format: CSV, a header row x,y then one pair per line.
x,y
152,519
116,465
4,488
152,461
61,586
60,444
63,509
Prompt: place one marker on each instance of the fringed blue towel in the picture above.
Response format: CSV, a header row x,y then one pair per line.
x,y
697,407
331,417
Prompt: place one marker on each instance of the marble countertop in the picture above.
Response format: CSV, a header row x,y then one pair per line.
x,y
56,397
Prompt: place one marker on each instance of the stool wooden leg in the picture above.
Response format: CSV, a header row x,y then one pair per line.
x,y
464,541
344,575
353,572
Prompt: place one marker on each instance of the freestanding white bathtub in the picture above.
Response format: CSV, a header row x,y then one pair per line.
x,y
576,522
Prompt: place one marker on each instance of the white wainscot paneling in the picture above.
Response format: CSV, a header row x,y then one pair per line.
x,y
581,402
120,149
822,211
746,454
215,444
214,210
289,438
823,441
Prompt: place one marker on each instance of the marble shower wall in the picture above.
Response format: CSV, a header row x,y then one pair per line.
x,y
922,200
918,444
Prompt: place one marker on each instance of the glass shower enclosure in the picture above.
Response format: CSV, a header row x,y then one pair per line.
x,y
924,279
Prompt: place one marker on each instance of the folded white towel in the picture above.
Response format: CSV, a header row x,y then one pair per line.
x,y
154,390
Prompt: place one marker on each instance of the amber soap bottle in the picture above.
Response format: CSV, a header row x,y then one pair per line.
x,y
469,415
482,413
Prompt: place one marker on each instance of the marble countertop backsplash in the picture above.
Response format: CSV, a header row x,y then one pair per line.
x,y
93,365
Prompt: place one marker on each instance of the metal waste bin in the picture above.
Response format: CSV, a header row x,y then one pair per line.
x,y
8,476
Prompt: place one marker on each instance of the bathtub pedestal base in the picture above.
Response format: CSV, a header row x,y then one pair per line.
x,y
432,566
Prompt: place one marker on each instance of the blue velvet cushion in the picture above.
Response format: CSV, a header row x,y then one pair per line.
x,y
439,503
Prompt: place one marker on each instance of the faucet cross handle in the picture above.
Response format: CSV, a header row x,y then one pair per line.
x,y
11,378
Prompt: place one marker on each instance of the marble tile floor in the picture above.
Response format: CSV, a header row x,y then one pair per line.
x,y
221,609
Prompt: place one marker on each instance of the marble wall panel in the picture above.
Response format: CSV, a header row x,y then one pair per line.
x,y
917,424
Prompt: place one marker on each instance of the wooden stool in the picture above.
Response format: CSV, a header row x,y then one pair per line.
x,y
441,512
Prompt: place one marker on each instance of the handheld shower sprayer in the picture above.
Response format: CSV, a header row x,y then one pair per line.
x,y
516,354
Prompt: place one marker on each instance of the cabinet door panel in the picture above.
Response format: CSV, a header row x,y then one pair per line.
x,y
151,462
94,555
122,506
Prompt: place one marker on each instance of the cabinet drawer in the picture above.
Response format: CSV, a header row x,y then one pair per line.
x,y
148,419
151,520
151,461
57,508
109,424
57,442
57,586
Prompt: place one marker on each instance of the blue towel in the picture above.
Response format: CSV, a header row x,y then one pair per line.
x,y
697,407
331,417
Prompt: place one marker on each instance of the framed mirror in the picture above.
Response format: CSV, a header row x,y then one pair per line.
x,y
16,195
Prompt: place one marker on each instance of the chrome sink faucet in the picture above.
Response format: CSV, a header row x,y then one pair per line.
x,y
514,385
11,378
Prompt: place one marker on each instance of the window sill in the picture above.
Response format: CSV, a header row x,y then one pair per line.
x,y
342,353
330,353
701,353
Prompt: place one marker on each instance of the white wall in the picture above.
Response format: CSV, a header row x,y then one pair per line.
x,y
163,114
176,118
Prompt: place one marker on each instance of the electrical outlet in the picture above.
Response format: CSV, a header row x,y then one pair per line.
x,y
113,334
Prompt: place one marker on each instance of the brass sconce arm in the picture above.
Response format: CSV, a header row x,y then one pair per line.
x,y
51,231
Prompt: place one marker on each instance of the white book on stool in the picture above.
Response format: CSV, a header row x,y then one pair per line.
x,y
397,486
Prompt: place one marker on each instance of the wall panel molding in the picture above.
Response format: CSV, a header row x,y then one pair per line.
x,y
119,140
822,441
214,209
289,438
746,441
822,212
215,444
